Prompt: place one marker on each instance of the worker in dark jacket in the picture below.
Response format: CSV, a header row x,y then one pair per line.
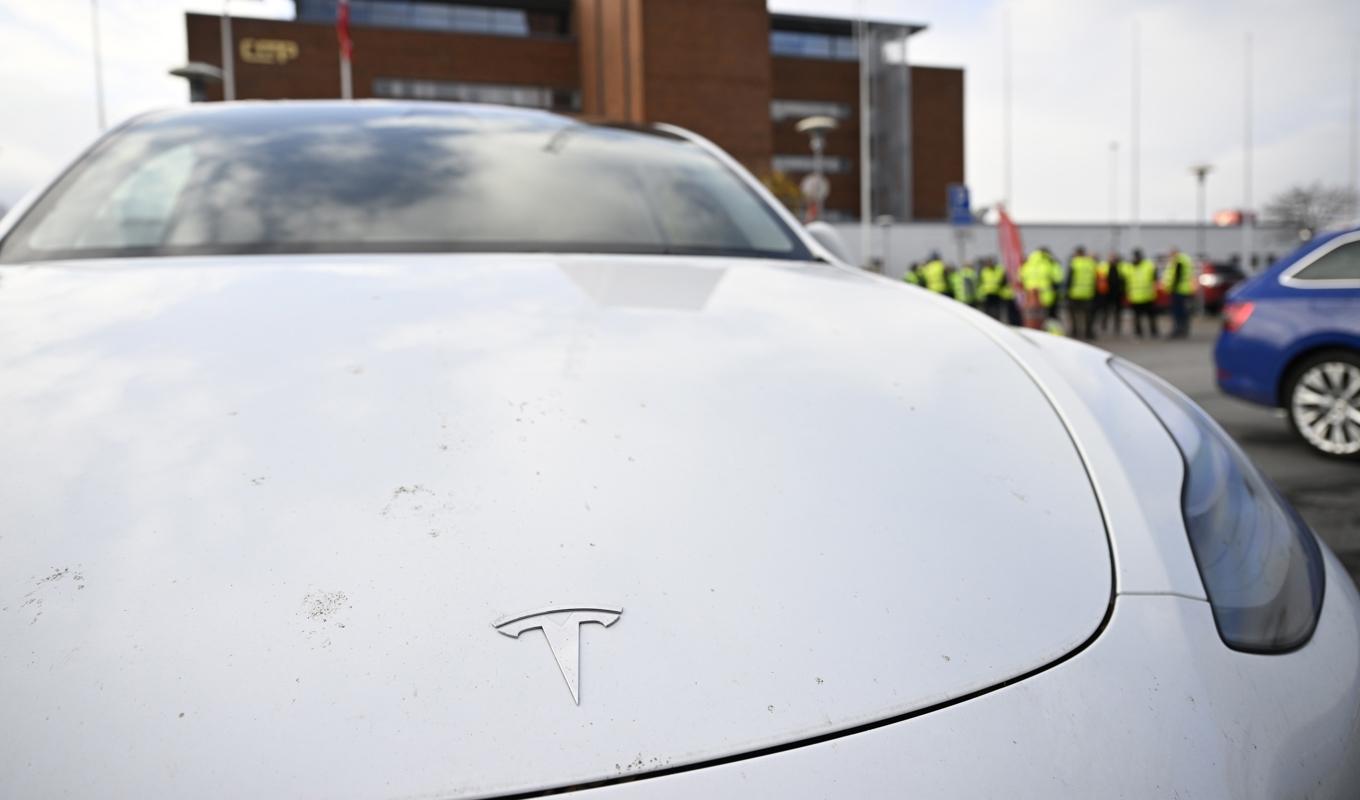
x,y
1110,293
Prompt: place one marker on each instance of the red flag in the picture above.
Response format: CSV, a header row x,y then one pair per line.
x,y
1012,254
342,30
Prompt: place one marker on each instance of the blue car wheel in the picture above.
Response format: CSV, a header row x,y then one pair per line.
x,y
1322,396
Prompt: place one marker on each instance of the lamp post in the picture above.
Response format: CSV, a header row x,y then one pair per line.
x,y
1114,198
199,75
228,56
1201,173
815,187
884,223
98,66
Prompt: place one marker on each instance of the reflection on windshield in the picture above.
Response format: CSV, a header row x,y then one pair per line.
x,y
328,178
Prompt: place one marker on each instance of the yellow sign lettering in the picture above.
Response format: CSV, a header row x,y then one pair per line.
x,y
274,52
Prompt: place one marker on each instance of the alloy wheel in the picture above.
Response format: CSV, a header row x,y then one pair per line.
x,y
1325,405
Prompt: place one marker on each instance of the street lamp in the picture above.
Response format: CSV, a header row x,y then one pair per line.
x,y
228,57
815,187
1201,173
884,223
199,75
1114,197
98,65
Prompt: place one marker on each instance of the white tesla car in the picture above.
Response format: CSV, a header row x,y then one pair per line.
x,y
399,450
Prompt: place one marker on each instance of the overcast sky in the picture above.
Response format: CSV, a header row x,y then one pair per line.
x,y
1071,69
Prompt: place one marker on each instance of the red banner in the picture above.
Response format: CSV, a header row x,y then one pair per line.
x,y
342,30
1012,255
1008,240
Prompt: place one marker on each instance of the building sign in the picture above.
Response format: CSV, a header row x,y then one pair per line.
x,y
273,52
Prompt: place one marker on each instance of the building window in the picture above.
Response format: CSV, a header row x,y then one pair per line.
x,y
463,92
781,110
801,44
831,165
422,15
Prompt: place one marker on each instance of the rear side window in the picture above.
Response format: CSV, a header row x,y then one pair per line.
x,y
1343,263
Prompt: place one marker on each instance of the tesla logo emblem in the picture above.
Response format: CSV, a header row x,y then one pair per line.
x,y
562,628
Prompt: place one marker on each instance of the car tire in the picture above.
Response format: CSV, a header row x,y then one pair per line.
x,y
1321,400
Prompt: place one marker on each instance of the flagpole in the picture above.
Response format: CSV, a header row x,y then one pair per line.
x,y
1353,181
1248,220
1135,174
228,62
98,66
1006,107
346,50
866,43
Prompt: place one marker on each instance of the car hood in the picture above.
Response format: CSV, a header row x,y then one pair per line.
x,y
259,516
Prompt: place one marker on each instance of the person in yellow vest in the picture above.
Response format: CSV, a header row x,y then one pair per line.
x,y
1081,294
933,274
993,289
1179,282
1036,278
912,275
963,282
1140,287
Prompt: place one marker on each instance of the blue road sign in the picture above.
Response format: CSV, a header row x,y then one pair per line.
x,y
960,212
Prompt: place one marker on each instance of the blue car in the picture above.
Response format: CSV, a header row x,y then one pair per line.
x,y
1291,340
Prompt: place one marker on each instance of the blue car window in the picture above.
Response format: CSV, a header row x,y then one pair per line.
x,y
1343,263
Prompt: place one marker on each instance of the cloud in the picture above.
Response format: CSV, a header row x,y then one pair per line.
x,y
1071,69
47,74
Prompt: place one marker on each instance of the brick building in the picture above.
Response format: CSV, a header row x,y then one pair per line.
x,y
727,69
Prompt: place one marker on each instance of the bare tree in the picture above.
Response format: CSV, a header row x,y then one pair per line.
x,y
1310,209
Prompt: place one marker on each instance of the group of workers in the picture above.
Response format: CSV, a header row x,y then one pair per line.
x,y
1093,291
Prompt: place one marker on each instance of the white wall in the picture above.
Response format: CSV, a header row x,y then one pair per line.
x,y
914,241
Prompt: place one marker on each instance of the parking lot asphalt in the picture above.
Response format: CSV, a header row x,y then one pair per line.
x,y
1325,491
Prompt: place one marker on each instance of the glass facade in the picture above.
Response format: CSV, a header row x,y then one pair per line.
x,y
802,44
465,92
781,110
451,17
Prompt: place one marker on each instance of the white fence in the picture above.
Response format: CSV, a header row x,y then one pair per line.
x,y
897,245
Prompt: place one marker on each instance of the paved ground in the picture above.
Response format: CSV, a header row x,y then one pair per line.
x,y
1326,492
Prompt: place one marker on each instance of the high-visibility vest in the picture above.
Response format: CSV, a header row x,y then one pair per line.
x,y
1036,275
992,280
1184,283
1103,277
933,274
1083,285
963,280
911,277
1140,281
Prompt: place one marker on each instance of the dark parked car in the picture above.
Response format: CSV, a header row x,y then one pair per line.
x,y
1291,339
1216,278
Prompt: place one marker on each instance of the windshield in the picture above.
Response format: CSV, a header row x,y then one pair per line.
x,y
364,178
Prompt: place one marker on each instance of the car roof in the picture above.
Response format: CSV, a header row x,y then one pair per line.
x,y
267,112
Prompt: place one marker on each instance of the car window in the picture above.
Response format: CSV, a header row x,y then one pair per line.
x,y
1343,263
395,178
